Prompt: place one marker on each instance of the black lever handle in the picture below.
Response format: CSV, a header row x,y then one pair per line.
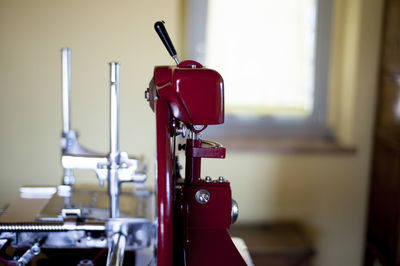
x,y
163,34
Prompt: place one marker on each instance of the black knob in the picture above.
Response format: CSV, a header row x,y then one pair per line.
x,y
162,32
181,147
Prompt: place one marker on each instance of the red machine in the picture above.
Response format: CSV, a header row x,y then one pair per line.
x,y
194,213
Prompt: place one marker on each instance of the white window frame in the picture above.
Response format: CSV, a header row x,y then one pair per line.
x,y
313,126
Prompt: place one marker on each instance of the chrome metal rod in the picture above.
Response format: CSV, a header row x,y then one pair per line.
x,y
66,88
113,190
175,57
114,119
113,180
29,255
116,250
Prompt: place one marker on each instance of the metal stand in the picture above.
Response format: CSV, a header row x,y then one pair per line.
x,y
116,167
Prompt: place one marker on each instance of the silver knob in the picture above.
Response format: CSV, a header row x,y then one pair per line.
x,y
234,211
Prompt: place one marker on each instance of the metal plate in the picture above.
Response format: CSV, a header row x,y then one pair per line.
x,y
93,203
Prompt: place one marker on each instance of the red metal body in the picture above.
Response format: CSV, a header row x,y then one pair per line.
x,y
195,94
205,240
164,185
191,232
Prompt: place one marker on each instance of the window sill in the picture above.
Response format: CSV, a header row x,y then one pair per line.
x,y
285,145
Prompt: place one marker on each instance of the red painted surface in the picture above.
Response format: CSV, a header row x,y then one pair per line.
x,y
212,247
197,235
190,64
195,95
216,213
193,165
164,185
206,240
207,152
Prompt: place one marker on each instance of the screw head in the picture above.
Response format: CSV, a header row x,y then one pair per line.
x,y
202,196
221,179
35,249
208,179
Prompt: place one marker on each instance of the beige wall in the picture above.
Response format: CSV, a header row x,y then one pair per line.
x,y
98,32
328,193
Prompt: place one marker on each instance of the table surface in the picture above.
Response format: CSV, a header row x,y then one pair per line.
x,y
275,244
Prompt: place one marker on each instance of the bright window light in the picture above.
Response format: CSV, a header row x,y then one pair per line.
x,y
265,50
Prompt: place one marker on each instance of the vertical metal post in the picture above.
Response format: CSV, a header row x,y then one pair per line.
x,y
114,134
68,178
66,88
113,182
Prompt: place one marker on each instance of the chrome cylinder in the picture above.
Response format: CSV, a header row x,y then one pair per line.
x,y
113,190
66,88
113,180
116,250
234,211
114,119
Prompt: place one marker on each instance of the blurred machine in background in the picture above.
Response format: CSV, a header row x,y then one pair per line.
x,y
83,225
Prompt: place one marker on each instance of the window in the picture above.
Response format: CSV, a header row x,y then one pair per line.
x,y
274,58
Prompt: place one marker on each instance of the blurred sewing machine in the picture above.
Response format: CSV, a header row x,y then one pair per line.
x,y
183,222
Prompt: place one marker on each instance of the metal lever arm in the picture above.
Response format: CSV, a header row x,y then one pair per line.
x,y
163,34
